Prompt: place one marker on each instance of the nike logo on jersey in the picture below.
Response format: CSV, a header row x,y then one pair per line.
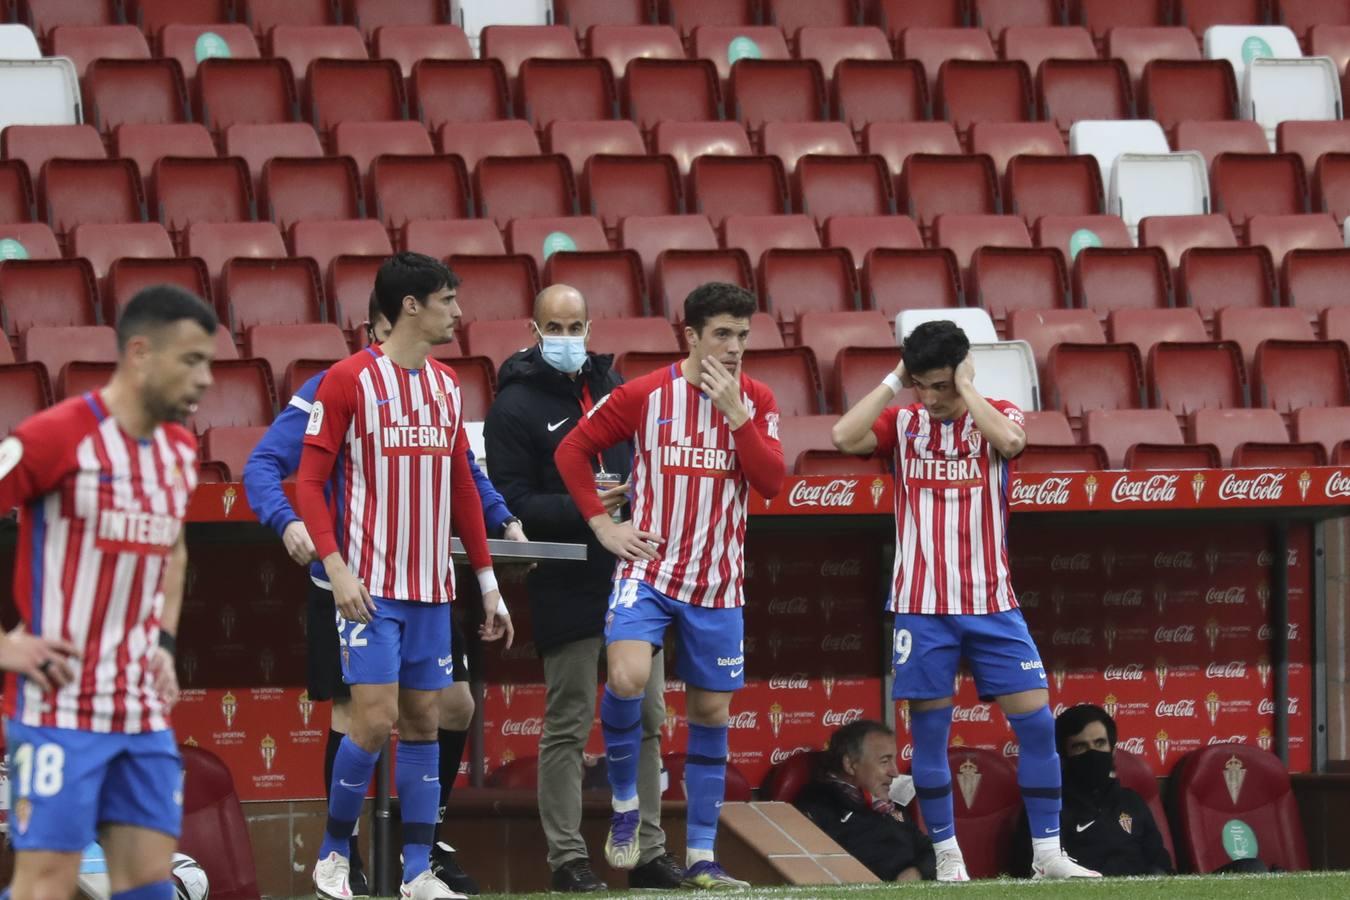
x,y
847,816
735,673
384,401
554,426
664,421
1082,828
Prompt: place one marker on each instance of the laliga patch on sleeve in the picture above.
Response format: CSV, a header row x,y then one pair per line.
x,y
315,419
11,451
771,424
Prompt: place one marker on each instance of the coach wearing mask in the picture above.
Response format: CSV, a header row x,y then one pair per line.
x,y
542,392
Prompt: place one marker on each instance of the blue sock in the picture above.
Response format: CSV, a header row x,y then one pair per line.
x,y
931,728
705,782
417,772
621,724
352,769
1038,770
159,890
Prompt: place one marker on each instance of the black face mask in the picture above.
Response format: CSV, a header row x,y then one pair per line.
x,y
1089,772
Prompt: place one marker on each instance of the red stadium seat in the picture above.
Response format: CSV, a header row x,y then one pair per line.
x,y
1250,184
650,235
791,374
1173,456
1117,430
1146,327
1228,428
1249,327
671,90
33,145
103,244
295,190
152,15
47,292
351,278
1314,280
723,44
1072,89
444,91
1003,279
54,346
406,44
370,15
323,240
1327,426
1005,140
302,45
776,90
1280,234
541,238
1290,375
618,186
987,815
257,143
1179,90
1044,328
442,238
508,188
932,185
738,788
1048,427
1086,458
354,90
1199,15
835,464
895,280
28,240
134,90
80,377
82,44
1256,454
263,15
826,333
896,142
791,15
280,345
1312,139
932,46
621,44
76,191
764,332
364,141
24,390
1176,234
215,832
16,193
865,91
1303,15
1081,377
472,141
44,15
859,235
513,44
1106,279
1072,234
964,234
130,275
231,447
409,188
680,271
1137,46
499,339
794,282
970,91
1054,186
610,280
496,287
1033,44
635,364
520,773
1212,278
247,91
180,41
844,186
897,15
147,143
241,394
185,190
1212,138
1331,185
646,334
756,234
583,15
576,90
579,141
1184,377
270,291
722,186
790,141
686,141
830,45
857,372
786,779
998,15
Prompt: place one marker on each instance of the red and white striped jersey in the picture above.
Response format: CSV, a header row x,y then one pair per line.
x,y
99,513
688,484
396,433
951,513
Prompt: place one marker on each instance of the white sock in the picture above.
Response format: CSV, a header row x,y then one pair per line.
x,y
691,857
621,806
948,845
1044,849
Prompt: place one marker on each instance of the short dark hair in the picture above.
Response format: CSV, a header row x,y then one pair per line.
x,y
847,742
158,305
410,274
934,345
1074,719
717,298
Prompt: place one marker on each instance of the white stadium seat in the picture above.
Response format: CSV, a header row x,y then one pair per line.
x,y
1007,370
39,92
974,321
1240,44
1164,184
1279,90
18,42
1107,139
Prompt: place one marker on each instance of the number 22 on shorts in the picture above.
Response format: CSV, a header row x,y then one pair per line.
x,y
904,643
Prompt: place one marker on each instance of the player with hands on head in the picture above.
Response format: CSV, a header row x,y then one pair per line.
x,y
704,434
952,591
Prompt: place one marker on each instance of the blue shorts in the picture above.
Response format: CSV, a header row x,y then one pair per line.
x,y
405,642
928,648
64,784
712,641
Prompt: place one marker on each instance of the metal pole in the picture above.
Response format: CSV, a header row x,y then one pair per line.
x,y
1279,634
386,874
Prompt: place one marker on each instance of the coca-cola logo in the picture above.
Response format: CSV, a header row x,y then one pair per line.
x,y
783,606
779,756
1127,597
1128,672
1267,706
1079,562
833,719
1151,489
841,568
841,643
1182,709
1177,634
1029,599
1232,596
1050,492
834,494
1235,669
1072,637
531,727
1338,484
1264,633
1059,710
1179,559
907,752
793,682
1011,748
748,718
980,712
1265,486
1133,745
1265,558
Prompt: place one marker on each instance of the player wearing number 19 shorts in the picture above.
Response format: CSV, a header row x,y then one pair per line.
x,y
704,434
102,482
952,594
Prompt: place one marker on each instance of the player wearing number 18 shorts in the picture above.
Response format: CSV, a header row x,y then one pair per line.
x,y
704,434
952,594
102,482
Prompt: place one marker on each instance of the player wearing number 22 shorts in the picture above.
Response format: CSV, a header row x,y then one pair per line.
x,y
102,483
952,593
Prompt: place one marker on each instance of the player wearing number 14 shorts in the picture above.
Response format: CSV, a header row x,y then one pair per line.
x,y
952,595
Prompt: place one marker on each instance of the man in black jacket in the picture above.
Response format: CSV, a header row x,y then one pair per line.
x,y
850,801
1102,824
542,392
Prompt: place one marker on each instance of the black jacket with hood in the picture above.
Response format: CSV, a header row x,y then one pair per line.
x,y
886,844
536,407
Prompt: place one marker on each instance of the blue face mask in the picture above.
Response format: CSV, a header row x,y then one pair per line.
x,y
566,354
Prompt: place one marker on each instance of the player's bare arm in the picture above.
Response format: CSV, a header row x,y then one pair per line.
x,y
1002,433
42,661
724,389
853,432
298,543
496,618
350,595
162,658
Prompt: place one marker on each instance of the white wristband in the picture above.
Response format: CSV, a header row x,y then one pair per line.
x,y
487,580
893,382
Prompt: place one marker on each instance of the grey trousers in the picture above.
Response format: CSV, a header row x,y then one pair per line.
x,y
571,675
